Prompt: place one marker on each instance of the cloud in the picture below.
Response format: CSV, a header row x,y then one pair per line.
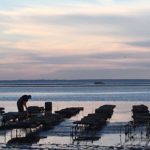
x,y
99,60
131,26
140,43
74,66
128,54
102,74
36,21
45,38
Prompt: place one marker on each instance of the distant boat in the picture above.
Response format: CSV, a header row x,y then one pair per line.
x,y
99,82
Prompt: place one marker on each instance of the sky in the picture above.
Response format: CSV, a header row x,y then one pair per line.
x,y
74,39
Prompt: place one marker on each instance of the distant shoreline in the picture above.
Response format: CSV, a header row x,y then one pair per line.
x,y
113,79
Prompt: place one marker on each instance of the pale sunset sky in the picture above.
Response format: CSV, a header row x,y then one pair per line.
x,y
74,39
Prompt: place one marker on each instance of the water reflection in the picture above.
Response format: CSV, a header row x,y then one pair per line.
x,y
30,139
111,135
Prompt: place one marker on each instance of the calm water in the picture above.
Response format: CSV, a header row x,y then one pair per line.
x,y
66,93
77,90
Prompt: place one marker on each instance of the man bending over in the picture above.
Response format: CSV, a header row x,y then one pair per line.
x,y
21,103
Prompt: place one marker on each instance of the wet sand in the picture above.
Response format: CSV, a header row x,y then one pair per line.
x,y
59,137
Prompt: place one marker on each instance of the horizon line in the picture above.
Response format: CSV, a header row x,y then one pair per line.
x,y
74,79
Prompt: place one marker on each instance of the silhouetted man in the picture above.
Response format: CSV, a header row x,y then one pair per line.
x,y
21,103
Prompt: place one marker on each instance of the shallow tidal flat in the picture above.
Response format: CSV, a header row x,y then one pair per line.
x,y
112,136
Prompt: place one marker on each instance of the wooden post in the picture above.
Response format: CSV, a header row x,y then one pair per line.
x,y
48,107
